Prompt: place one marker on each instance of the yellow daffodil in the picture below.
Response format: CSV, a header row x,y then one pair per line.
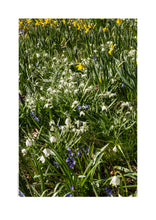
x,y
80,66
100,79
87,30
55,22
111,49
118,21
104,29
63,21
29,21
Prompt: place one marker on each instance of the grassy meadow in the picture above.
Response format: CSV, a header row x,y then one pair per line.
x,y
77,107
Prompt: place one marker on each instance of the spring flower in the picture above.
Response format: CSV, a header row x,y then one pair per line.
x,y
38,55
42,159
79,107
87,30
68,122
109,191
24,151
95,58
72,187
104,108
29,142
74,104
69,195
118,21
80,66
82,113
115,149
53,139
85,106
104,29
34,116
47,152
56,164
115,181
20,194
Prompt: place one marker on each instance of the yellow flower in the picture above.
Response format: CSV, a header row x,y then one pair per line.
x,y
100,79
80,66
63,21
74,23
110,51
118,21
104,29
87,30
37,22
56,22
29,21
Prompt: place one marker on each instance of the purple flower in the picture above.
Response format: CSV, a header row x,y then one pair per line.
x,y
72,187
21,31
59,127
109,191
21,194
95,58
85,107
56,164
79,107
69,195
34,116
79,153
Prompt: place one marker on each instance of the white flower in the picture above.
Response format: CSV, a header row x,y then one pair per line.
x,y
115,149
52,128
74,104
37,55
52,123
125,104
53,139
76,91
28,142
24,151
115,181
47,152
42,159
68,122
82,113
77,123
104,108
46,105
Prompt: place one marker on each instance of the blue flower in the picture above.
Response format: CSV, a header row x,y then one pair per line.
x,y
56,164
34,116
109,191
21,194
79,107
59,127
72,187
69,195
85,107
21,31
79,153
95,58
